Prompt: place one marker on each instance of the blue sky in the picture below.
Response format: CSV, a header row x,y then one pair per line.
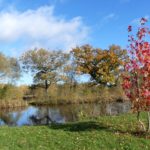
x,y
63,24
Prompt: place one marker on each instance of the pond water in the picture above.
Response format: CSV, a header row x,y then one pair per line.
x,y
33,115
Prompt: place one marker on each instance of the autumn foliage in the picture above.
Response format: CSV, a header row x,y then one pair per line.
x,y
102,65
137,70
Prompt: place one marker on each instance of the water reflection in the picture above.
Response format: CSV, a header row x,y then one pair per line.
x,y
59,114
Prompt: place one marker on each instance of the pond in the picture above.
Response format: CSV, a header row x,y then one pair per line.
x,y
33,115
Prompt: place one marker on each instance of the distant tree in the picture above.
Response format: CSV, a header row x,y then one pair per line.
x,y
9,68
102,65
136,78
3,65
44,65
14,71
69,72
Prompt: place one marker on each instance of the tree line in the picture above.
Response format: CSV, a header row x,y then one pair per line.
x,y
102,65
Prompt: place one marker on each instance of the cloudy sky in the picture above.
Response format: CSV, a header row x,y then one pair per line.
x,y
63,24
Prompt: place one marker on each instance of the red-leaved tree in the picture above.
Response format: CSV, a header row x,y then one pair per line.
x,y
136,78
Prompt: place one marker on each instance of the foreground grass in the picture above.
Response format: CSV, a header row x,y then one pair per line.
x,y
93,134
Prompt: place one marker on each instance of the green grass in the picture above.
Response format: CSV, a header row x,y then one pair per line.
x,y
103,133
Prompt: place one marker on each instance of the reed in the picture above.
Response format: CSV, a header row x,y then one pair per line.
x,y
12,104
80,94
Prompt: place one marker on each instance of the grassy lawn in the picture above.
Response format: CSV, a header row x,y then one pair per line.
x,y
106,133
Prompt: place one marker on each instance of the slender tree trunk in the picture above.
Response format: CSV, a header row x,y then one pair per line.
x,y
46,86
148,119
138,115
47,116
46,96
141,123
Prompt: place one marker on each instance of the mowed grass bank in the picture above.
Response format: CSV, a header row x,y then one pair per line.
x,y
106,133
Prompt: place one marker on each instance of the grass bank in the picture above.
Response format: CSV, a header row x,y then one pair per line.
x,y
106,133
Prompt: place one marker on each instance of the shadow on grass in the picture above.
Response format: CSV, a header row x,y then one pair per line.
x,y
97,126
79,126
141,134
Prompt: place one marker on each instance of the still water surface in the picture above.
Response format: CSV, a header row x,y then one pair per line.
x,y
59,114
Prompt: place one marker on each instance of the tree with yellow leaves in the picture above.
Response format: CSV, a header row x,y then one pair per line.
x,y
102,65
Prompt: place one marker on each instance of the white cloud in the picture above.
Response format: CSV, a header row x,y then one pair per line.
x,y
110,17
41,28
105,20
136,21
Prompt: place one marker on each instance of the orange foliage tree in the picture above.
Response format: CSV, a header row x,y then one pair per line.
x,y
102,65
